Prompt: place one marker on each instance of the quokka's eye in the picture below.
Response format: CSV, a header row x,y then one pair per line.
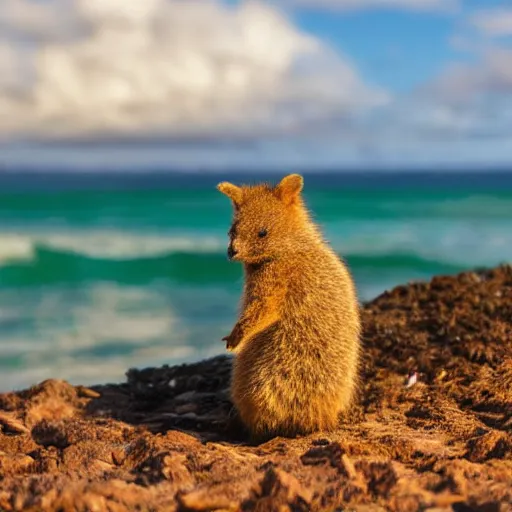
x,y
263,233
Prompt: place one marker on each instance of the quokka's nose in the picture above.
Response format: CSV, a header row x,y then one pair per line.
x,y
231,252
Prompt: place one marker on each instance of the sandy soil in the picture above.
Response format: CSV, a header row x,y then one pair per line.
x,y
168,439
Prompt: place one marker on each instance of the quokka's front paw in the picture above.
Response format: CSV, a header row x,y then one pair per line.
x,y
231,341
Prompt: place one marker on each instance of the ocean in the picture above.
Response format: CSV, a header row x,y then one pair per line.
x,y
103,272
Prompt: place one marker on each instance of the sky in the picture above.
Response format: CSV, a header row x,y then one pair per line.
x,y
218,84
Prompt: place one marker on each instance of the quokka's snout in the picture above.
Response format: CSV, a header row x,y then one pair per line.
x,y
232,252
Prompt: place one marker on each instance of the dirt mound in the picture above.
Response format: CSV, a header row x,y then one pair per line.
x,y
432,429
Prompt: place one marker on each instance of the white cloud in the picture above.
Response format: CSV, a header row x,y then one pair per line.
x,y
181,68
467,102
461,117
201,71
413,5
463,83
36,19
493,22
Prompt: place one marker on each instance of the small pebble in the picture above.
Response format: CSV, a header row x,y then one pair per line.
x,y
413,378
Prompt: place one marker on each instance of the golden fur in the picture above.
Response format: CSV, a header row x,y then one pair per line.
x,y
297,339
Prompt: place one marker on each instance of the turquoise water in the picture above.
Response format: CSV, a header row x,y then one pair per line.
x,y
102,273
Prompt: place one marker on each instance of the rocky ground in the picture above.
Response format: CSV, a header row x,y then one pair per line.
x,y
168,440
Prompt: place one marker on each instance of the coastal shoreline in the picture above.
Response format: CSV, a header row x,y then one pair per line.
x,y
432,428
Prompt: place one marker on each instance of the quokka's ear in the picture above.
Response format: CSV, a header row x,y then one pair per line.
x,y
290,188
232,191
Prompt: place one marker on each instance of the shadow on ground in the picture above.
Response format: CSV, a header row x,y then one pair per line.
x,y
192,398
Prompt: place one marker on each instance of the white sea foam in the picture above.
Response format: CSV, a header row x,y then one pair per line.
x,y
94,370
15,248
457,242
118,245
68,320
104,244
476,206
70,329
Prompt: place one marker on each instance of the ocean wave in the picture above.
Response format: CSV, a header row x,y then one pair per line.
x,y
96,370
15,248
400,261
113,245
132,258
429,238
50,266
94,333
479,207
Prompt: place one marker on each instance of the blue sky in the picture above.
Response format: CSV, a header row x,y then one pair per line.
x,y
212,84
395,47
414,43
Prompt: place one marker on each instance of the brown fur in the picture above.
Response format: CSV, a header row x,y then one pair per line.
x,y
297,338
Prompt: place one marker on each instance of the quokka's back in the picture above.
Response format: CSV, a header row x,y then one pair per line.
x,y
297,339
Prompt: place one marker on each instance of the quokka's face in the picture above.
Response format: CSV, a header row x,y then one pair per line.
x,y
252,235
262,225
